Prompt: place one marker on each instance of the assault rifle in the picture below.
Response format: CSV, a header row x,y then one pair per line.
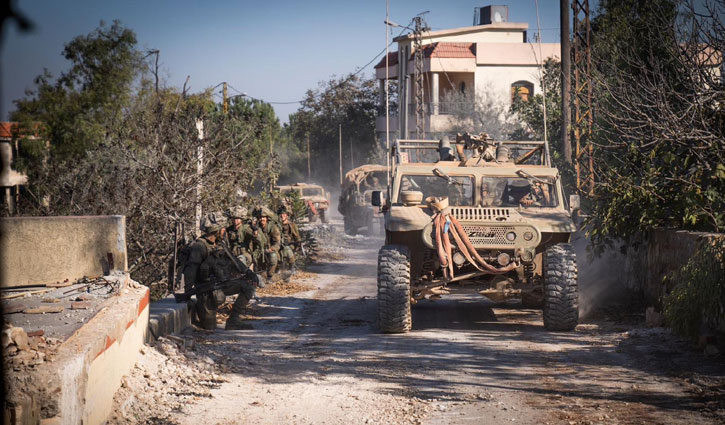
x,y
246,274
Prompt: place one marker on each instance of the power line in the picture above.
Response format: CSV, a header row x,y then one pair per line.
x,y
342,83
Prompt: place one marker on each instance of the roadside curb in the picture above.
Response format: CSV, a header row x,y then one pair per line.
x,y
167,317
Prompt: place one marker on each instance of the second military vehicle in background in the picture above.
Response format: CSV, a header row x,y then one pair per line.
x,y
355,198
316,199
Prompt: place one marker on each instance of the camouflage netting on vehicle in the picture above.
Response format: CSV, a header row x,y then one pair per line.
x,y
357,175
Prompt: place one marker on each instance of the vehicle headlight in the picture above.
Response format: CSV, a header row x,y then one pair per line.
x,y
510,236
317,205
528,236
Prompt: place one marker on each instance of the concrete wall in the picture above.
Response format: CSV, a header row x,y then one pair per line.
x,y
89,366
644,267
38,250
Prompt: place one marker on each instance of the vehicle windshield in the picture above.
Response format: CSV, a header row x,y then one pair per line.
x,y
459,191
311,191
515,191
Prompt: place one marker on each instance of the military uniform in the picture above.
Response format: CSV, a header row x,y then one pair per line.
x,y
208,263
290,237
274,243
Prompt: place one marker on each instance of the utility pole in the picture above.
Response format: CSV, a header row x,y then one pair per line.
x,y
226,98
199,172
565,78
583,118
352,156
418,45
339,130
309,170
387,94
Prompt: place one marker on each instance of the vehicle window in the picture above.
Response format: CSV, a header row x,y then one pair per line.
x,y
459,190
515,191
311,192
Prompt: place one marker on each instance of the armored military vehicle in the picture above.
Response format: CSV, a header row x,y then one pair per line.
x,y
489,217
315,197
355,197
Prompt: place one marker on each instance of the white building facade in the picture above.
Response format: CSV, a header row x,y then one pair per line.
x,y
493,60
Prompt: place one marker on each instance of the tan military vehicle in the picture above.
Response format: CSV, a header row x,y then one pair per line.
x,y
315,197
355,197
492,219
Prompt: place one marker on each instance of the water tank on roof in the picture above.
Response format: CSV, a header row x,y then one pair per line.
x,y
490,14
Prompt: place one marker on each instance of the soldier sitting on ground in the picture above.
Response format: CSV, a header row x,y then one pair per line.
x,y
214,274
290,238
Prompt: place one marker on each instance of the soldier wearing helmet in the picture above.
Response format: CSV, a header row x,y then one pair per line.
x,y
209,263
269,227
290,238
237,233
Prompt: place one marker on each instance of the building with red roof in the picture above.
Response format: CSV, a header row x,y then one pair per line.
x,y
492,58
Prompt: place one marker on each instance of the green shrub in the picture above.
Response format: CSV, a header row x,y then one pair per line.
x,y
699,296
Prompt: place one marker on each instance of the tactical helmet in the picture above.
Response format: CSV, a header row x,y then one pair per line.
x,y
213,223
236,212
263,211
282,210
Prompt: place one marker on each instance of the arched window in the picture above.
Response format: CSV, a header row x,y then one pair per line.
x,y
523,89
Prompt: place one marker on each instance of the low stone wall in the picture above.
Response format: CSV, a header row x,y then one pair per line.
x,y
42,250
643,268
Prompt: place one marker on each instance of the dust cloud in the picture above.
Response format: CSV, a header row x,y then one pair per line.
x,y
601,279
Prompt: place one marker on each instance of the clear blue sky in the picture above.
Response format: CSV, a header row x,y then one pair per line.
x,y
273,50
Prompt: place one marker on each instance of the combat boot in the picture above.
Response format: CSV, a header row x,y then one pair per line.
x,y
235,322
206,310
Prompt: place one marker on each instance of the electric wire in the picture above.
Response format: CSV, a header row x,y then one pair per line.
x,y
342,83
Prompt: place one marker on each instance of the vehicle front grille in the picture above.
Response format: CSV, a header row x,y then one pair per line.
x,y
488,235
480,214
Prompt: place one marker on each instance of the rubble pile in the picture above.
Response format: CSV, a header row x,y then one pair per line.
x,y
23,356
167,378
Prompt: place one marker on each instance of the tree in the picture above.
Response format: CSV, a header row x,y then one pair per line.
x,y
660,133
80,106
350,102
132,149
478,112
530,114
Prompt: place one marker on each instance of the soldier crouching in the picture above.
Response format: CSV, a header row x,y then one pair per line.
x,y
213,273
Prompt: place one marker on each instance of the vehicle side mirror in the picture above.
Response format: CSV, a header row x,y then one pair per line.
x,y
574,202
377,198
328,196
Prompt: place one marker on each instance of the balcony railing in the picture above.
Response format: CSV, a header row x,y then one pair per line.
x,y
440,108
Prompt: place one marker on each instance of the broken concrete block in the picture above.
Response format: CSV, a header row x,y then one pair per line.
x,y
5,338
50,300
653,319
19,338
80,305
44,309
39,332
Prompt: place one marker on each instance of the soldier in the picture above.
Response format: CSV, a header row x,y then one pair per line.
x,y
539,195
237,233
271,231
210,263
290,238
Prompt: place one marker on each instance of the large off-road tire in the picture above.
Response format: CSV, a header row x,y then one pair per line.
x,y
561,290
394,289
323,217
350,228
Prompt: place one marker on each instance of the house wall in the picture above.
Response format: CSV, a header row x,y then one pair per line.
x,y
497,80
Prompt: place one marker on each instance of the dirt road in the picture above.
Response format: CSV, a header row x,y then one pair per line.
x,y
316,357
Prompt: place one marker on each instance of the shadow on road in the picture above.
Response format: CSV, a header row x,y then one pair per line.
x,y
453,343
